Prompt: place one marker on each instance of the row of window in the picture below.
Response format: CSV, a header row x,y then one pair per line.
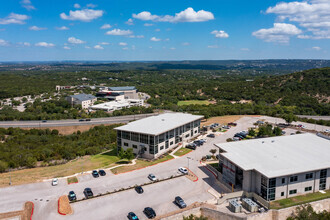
x,y
153,149
294,191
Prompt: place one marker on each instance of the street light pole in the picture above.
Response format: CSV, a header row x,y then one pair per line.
x,y
9,177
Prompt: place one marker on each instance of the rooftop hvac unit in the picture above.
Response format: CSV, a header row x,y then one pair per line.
x,y
249,205
234,206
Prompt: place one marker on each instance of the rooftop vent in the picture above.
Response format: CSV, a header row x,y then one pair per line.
x,y
273,141
263,142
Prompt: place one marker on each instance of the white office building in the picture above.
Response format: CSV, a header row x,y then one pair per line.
x,y
83,100
277,167
117,105
153,136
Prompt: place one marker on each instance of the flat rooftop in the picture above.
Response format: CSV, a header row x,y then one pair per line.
x,y
280,156
155,125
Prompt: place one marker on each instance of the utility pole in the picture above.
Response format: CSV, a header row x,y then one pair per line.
x,y
9,177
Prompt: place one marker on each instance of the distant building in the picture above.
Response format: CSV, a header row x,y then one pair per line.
x,y
153,136
117,105
115,96
277,167
83,100
130,92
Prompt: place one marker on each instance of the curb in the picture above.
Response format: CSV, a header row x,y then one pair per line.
x,y
208,169
194,175
145,167
72,183
58,208
32,210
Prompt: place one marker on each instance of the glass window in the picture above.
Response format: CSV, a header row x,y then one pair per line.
x,y
161,138
171,143
144,138
293,179
161,147
272,183
283,180
166,144
126,135
151,149
294,191
309,176
135,137
134,146
323,173
282,193
125,144
152,140
156,149
308,189
171,133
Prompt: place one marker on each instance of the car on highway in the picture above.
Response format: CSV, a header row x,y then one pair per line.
x,y
88,119
102,173
95,174
211,136
44,121
72,196
81,119
88,193
183,170
132,216
152,177
55,182
139,189
179,201
149,212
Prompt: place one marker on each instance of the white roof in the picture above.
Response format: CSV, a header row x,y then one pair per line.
x,y
280,156
155,125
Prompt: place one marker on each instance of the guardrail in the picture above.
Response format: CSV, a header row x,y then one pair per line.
x,y
128,188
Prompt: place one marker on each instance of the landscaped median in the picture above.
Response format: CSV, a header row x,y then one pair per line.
x,y
182,151
299,200
140,164
128,188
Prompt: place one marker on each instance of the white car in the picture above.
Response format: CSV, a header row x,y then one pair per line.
x,y
152,177
183,170
54,182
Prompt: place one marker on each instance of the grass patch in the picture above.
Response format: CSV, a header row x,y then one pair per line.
x,y
193,102
72,180
182,151
38,174
140,164
298,200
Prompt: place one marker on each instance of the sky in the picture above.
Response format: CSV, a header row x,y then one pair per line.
x,y
143,30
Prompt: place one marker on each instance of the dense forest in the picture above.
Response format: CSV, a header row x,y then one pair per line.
x,y
23,148
305,92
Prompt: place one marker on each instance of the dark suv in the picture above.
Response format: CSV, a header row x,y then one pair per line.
x,y
149,212
88,192
102,173
72,196
95,174
179,201
139,189
132,216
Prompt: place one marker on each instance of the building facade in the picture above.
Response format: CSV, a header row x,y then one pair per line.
x,y
153,136
130,92
83,100
277,168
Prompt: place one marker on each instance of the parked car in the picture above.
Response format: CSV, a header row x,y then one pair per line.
x,y
183,170
102,173
191,146
88,192
95,174
203,140
198,143
232,124
211,136
152,177
132,216
226,127
139,189
149,212
55,182
72,196
327,130
179,201
236,139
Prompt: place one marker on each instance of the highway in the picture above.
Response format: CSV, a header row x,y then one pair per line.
x,y
73,122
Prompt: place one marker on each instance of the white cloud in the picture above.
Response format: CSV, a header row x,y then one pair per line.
x,y
316,48
157,30
136,36
27,5
76,5
24,44
220,34
44,44
104,43
13,18
63,28
105,26
85,15
281,33
122,44
125,48
185,43
119,32
91,5
148,24
155,39
245,49
4,43
66,48
167,39
73,40
87,47
98,47
172,48
188,15
130,21
36,28
313,15
212,46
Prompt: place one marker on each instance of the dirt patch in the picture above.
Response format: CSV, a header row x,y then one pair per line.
x,y
191,176
64,207
24,214
222,119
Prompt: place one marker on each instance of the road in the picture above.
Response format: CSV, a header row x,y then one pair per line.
x,y
315,117
73,122
159,196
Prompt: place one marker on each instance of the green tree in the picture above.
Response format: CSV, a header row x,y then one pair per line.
x,y
252,132
193,217
213,151
306,212
129,154
277,131
3,166
121,153
289,118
